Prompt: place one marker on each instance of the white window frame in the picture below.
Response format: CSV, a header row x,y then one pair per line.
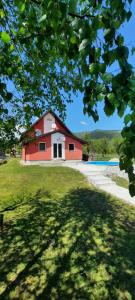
x,y
69,149
39,147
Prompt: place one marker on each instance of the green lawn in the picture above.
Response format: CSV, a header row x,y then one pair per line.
x,y
63,239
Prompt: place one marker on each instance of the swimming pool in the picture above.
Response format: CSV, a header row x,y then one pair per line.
x,y
103,163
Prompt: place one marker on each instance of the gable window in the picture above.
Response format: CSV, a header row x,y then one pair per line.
x,y
42,146
71,147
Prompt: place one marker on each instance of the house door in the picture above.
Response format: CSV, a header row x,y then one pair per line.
x,y
57,150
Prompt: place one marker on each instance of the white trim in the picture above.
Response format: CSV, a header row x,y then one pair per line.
x,y
58,138
48,121
39,146
69,149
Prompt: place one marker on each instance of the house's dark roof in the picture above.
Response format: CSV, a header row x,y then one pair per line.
x,y
52,132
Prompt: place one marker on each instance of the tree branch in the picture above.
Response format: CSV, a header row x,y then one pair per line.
x,y
81,17
36,1
70,14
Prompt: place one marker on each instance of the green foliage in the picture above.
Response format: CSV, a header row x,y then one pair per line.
x,y
5,37
8,138
103,146
48,55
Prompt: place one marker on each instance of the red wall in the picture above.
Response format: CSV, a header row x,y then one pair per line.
x,y
40,125
59,126
31,151
77,153
23,152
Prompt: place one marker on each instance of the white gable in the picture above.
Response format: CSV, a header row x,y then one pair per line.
x,y
49,123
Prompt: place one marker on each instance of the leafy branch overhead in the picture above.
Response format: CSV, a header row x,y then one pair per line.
x,y
53,49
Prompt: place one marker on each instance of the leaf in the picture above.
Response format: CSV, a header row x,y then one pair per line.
x,y
132,189
133,50
63,9
122,52
2,14
22,30
43,18
6,111
13,31
93,68
2,86
112,98
5,37
100,97
22,7
50,4
102,67
9,96
94,114
73,39
127,119
11,48
107,78
72,6
83,44
119,40
121,109
109,34
129,15
109,108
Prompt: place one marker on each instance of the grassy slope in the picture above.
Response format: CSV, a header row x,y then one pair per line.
x,y
62,239
120,181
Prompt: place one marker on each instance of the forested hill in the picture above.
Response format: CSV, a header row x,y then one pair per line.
x,y
99,134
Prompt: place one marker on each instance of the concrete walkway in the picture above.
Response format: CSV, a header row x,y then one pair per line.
x,y
97,176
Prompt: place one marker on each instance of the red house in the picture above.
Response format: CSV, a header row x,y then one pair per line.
x,y
50,139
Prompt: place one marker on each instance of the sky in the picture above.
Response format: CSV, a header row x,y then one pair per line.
x,y
76,120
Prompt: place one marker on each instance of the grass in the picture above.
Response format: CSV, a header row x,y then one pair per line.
x,y
106,157
120,181
3,161
62,239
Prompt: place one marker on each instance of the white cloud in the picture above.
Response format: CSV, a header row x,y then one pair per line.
x,y
83,123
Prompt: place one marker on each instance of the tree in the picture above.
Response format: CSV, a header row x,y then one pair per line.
x,y
8,137
103,146
116,144
48,55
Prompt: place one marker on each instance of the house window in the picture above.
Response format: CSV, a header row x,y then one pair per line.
x,y
71,147
42,146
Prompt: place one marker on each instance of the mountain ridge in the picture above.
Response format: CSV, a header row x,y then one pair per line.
x,y
99,134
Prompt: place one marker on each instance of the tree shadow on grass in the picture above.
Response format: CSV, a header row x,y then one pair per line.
x,y
78,247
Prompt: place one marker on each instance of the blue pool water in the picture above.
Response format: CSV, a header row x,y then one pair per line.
x,y
103,163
